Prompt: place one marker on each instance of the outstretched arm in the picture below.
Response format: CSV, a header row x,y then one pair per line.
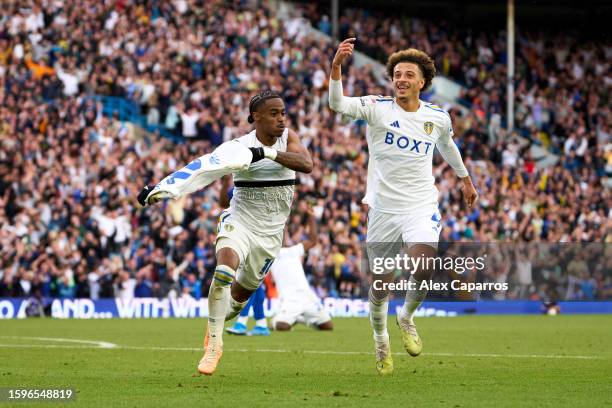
x,y
228,158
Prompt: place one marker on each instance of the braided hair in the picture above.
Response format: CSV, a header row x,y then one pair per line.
x,y
258,99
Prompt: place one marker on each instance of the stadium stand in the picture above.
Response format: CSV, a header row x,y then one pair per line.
x,y
87,89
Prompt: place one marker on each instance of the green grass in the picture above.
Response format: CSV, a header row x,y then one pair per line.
x,y
467,362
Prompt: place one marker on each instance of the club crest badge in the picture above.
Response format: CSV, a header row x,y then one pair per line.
x,y
428,127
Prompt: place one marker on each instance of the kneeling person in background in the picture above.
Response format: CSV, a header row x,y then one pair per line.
x,y
298,303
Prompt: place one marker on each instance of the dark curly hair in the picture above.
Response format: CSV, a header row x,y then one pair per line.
x,y
418,57
258,99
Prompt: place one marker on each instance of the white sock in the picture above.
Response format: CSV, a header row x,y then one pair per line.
x,y
414,298
243,320
235,308
218,301
261,323
378,318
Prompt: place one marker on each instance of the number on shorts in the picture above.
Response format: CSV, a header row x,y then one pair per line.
x,y
267,264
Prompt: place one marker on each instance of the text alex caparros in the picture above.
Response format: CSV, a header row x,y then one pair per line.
x,y
455,284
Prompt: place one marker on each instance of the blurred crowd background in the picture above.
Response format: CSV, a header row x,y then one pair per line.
x,y
69,174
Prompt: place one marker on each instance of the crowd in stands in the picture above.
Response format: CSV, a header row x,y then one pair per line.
x,y
69,222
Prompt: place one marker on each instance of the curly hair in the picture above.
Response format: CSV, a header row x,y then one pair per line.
x,y
418,57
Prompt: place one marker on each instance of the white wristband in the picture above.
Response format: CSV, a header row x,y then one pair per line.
x,y
270,153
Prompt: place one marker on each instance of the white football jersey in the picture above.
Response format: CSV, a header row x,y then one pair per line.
x,y
401,146
263,193
288,273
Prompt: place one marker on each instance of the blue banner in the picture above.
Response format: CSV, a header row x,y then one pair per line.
x,y
11,308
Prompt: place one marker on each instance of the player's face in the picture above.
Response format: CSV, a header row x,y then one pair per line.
x,y
407,80
272,117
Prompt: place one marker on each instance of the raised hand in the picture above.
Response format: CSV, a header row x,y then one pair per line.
x,y
345,50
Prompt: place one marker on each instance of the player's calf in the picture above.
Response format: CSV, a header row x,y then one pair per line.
x,y
218,300
235,308
378,315
238,300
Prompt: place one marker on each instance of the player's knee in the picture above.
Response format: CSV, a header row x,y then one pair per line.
x,y
328,325
378,295
282,326
425,270
229,257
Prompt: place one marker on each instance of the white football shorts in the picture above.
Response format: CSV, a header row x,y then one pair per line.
x,y
389,234
256,252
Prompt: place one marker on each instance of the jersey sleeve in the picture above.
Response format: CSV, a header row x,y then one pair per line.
x,y
354,107
229,157
449,150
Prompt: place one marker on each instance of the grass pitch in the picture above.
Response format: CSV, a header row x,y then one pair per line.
x,y
540,361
